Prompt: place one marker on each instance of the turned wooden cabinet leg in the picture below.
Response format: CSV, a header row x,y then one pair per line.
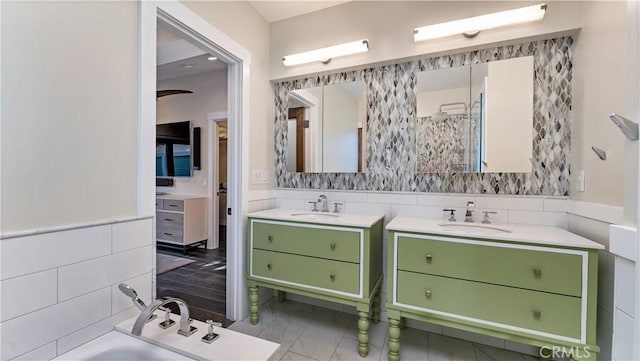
x,y
375,308
281,296
394,340
253,304
363,333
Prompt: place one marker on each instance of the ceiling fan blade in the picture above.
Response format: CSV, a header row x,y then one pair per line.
x,y
163,93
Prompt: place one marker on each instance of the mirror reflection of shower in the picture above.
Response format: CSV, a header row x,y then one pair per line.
x,y
489,105
452,138
441,114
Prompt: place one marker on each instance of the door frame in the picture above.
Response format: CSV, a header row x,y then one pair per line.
x,y
238,60
214,174
312,134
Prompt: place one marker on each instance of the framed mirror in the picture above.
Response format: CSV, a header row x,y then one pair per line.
x,y
326,129
476,119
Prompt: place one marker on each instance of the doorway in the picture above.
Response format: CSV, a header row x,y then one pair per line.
x,y
191,83
206,37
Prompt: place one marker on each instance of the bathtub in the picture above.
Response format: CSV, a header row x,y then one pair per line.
x,y
118,346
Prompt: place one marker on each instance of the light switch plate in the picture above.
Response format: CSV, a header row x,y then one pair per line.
x,y
580,181
260,176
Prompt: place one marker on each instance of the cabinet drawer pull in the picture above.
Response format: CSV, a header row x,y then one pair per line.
x,y
168,234
168,219
427,293
332,277
537,314
270,238
333,246
429,258
172,205
269,265
537,272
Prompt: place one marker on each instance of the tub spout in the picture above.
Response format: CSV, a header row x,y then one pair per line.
x,y
185,328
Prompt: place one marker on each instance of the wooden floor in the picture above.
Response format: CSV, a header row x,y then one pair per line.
x,y
202,284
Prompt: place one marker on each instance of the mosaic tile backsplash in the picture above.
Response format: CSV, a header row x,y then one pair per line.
x,y
392,156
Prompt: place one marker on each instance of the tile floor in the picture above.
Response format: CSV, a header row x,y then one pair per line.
x,y
308,332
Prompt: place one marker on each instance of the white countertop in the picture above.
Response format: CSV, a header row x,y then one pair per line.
x,y
179,197
542,235
343,219
231,345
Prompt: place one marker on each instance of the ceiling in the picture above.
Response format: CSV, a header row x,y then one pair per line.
x,y
177,57
278,10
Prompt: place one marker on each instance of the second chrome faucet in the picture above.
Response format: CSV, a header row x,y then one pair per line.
x,y
468,216
323,204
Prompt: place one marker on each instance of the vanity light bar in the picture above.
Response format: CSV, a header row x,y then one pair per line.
x,y
471,26
326,54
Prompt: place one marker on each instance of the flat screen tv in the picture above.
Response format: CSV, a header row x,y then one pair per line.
x,y
173,149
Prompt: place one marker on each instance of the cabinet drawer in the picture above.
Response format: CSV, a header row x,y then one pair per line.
x,y
171,220
173,205
316,242
169,235
159,203
169,226
540,311
307,271
532,269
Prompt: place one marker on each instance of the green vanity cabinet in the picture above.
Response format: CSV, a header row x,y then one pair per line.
x,y
514,286
339,260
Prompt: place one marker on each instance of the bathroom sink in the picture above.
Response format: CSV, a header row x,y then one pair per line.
x,y
318,216
475,228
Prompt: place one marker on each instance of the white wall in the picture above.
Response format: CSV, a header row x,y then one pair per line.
x,y
209,96
241,22
429,102
69,110
600,71
388,25
70,231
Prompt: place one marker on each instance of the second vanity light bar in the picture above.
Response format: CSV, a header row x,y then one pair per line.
x,y
471,26
328,53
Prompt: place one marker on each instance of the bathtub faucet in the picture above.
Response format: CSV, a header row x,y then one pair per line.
x,y
131,293
185,328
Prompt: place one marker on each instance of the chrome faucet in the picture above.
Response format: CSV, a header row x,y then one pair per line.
x,y
324,205
468,217
185,328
